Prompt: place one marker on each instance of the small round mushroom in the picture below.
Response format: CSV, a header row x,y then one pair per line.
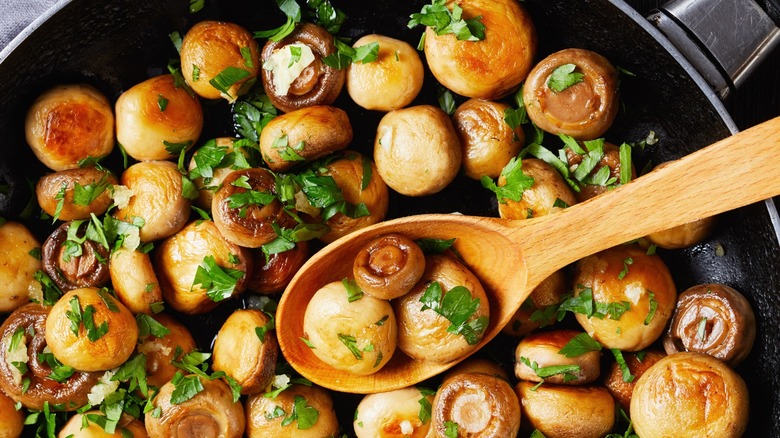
x,y
535,310
18,264
349,331
685,235
621,385
417,150
304,135
567,411
56,193
637,287
156,119
134,280
268,417
690,395
73,265
423,333
392,413
85,425
713,319
29,324
390,82
610,159
360,184
199,247
548,193
157,198
488,141
388,266
573,92
246,349
306,81
493,67
278,270
479,404
69,123
210,412
104,337
160,351
544,350
245,216
218,59
11,419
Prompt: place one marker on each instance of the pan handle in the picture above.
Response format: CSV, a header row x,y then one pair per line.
x,y
725,40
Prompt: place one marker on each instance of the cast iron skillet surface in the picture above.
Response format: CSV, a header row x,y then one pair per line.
x,y
114,45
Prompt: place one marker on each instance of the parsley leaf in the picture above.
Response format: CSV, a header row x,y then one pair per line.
x,y
553,370
351,343
147,325
227,78
564,77
84,195
219,282
446,100
580,344
134,372
627,376
517,182
185,387
354,292
457,306
434,246
445,21
305,416
450,429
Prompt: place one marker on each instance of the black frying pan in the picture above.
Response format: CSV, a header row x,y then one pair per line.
x,y
114,45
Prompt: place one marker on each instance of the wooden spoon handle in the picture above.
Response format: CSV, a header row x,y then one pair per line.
x,y
734,172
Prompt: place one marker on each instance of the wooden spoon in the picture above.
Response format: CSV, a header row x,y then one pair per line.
x,y
512,257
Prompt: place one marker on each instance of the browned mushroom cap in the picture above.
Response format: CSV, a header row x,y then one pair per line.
x,y
689,395
245,216
160,351
85,425
71,264
535,312
714,319
246,349
544,350
134,280
210,412
19,265
481,405
29,324
567,411
611,159
389,266
268,417
278,270
57,190
304,135
317,83
685,235
393,414
573,92
11,419
621,385
548,193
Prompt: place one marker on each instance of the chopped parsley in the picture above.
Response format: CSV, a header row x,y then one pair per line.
x,y
351,343
554,370
147,325
85,317
626,263
346,55
162,102
434,246
261,331
227,78
517,182
564,77
304,415
286,151
354,292
580,344
425,406
219,282
185,387
653,306
621,361
446,100
84,195
445,21
450,429
457,306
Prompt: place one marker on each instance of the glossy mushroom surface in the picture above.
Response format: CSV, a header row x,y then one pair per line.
x,y
268,417
160,347
134,280
544,350
393,413
73,265
11,419
620,384
272,274
389,266
548,192
56,193
18,264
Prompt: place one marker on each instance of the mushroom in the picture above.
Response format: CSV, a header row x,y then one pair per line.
x,y
75,193
636,291
74,261
417,150
293,83
573,92
69,123
609,159
567,411
348,330
490,68
278,270
535,312
689,395
713,319
393,413
214,160
246,349
219,59
209,412
360,184
11,419
388,266
480,405
18,264
22,341
300,411
621,384
157,119
545,351
423,332
548,192
90,330
134,280
88,425
157,198
390,82
246,207
161,348
304,135
488,141
187,262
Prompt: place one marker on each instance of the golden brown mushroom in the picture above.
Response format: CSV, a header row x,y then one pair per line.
x,y
620,384
11,419
155,119
73,265
388,266
543,350
393,413
160,351
610,159
548,193
294,84
573,92
299,411
70,123
18,264
84,425
535,312
134,280
75,193
278,269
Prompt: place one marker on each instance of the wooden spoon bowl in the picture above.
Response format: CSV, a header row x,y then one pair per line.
x,y
512,257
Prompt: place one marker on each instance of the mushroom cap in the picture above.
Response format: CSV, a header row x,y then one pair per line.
x,y
18,266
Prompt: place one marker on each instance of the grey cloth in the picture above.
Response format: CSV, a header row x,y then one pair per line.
x,y
15,15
